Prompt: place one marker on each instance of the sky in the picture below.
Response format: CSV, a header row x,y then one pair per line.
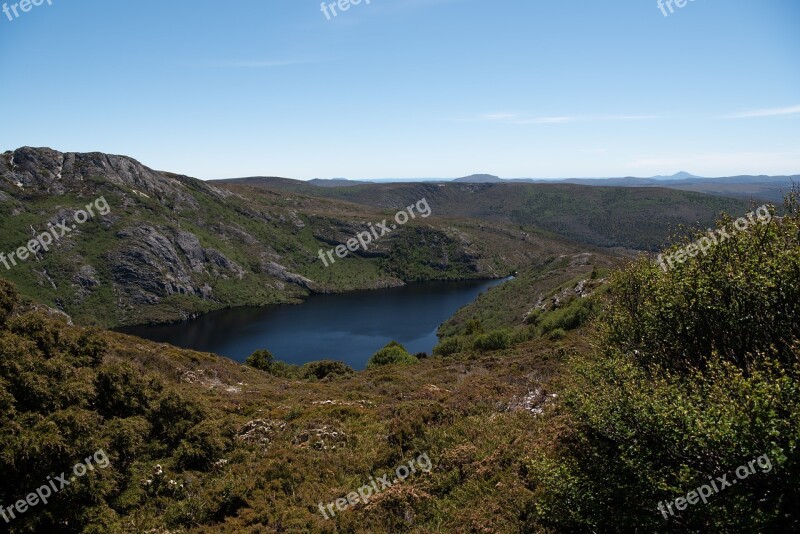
x,y
408,88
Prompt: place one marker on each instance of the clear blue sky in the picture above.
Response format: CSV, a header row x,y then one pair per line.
x,y
409,88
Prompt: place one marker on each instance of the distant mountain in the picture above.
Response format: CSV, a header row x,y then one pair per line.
x,y
491,179
480,179
682,175
756,188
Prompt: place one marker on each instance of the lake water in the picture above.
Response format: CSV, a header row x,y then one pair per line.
x,y
349,327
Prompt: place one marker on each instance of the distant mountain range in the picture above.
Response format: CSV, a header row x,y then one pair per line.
x,y
759,188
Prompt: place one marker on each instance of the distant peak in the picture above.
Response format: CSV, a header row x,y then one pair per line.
x,y
480,179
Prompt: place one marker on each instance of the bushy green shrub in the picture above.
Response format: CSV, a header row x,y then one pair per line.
x,y
202,445
557,334
282,369
323,369
61,401
534,316
472,327
173,416
698,376
576,313
740,298
8,300
261,360
393,353
121,390
449,346
494,340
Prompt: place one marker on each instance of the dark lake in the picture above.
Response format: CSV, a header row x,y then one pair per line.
x,y
349,327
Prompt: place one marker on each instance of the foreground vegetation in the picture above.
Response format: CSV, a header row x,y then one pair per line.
x,y
697,374
654,382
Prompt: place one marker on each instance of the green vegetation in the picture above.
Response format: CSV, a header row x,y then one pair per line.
x,y
263,360
318,370
631,217
392,354
449,346
325,370
586,434
573,398
63,397
494,340
698,376
567,307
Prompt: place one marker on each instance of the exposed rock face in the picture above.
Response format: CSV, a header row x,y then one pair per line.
x,y
149,265
47,171
280,272
153,254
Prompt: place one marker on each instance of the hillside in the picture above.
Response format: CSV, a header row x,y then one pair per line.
x,y
505,433
171,247
635,218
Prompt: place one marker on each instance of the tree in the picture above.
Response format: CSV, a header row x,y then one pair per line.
x,y
261,360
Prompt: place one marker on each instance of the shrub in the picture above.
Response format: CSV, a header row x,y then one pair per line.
x,y
449,346
557,334
741,297
261,360
121,391
522,334
473,326
698,376
325,369
494,340
173,417
534,316
8,300
203,444
393,353
284,370
570,317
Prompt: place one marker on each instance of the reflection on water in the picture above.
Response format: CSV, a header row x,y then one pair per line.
x,y
348,327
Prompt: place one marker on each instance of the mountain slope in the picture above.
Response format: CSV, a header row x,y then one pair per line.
x,y
172,246
636,218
